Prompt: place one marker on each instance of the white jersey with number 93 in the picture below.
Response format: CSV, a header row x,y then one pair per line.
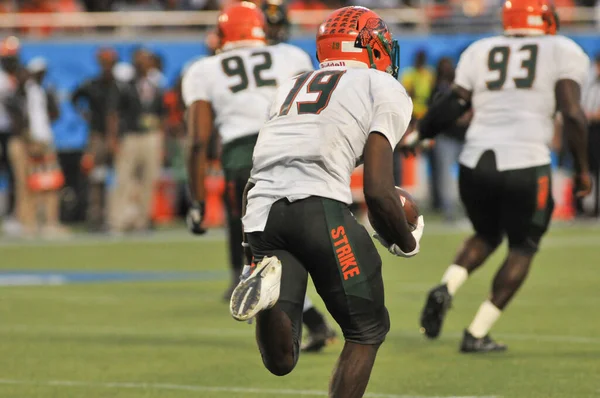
x,y
513,81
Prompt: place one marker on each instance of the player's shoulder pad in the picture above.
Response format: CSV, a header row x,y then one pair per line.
x,y
286,47
483,43
568,46
384,81
291,51
203,66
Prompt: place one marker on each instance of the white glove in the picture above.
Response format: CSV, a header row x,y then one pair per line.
x,y
417,234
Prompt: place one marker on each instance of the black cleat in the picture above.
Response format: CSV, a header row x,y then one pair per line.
x,y
432,317
472,344
315,342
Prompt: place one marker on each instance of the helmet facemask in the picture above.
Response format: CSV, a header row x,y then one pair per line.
x,y
372,37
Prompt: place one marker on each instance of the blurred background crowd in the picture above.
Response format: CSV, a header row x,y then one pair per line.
x,y
441,13
93,135
171,5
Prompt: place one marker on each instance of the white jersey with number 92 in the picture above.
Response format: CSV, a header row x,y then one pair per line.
x,y
240,85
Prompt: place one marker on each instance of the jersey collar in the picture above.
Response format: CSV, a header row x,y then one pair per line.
x,y
234,45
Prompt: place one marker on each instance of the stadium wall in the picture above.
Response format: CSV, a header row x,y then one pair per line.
x,y
70,62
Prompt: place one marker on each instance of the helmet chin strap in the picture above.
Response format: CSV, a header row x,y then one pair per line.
x,y
394,53
371,60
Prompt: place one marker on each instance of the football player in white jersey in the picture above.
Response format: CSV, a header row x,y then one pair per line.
x,y
514,83
297,220
319,332
232,91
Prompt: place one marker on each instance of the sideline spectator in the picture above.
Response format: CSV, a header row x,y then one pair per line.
x,y
44,177
139,5
418,82
591,106
97,5
308,5
96,159
8,6
175,134
9,65
12,78
155,70
447,147
38,7
136,111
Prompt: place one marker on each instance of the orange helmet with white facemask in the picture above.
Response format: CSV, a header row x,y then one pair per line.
x,y
529,17
358,34
239,23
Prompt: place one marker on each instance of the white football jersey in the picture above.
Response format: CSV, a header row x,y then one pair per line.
x,y
240,84
318,128
513,80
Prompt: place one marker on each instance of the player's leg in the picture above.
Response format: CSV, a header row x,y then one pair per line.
x,y
279,329
526,215
319,332
346,270
235,181
478,189
273,290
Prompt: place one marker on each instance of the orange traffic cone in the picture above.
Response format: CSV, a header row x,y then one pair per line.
x,y
565,209
215,210
409,171
163,205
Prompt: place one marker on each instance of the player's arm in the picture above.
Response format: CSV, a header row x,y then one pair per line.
x,y
449,106
445,111
199,127
195,91
380,194
245,244
568,101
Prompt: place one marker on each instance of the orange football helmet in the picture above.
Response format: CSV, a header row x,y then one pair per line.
x,y
241,22
358,34
10,47
529,17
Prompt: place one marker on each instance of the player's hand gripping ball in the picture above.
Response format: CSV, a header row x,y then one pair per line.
x,y
411,210
415,225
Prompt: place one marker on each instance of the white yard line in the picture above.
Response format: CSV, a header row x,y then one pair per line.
x,y
246,330
197,388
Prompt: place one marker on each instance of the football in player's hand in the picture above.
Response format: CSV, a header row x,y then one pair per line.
x,y
411,210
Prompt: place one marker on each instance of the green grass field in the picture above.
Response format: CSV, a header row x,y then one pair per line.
x,y
176,339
